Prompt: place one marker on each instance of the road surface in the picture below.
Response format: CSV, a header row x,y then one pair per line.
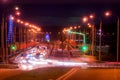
x,y
95,74
65,74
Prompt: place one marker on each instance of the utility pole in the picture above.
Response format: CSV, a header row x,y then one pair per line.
x,y
3,38
6,44
117,39
93,39
100,41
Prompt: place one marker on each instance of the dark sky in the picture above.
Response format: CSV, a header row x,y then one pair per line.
x,y
60,12
57,1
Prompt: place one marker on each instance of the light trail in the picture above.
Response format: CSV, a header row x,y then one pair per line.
x,y
32,60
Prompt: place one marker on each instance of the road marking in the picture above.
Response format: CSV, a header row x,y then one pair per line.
x,y
68,74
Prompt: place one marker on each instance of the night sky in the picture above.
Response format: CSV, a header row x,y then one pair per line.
x,y
53,13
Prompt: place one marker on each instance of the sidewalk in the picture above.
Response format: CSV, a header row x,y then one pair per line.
x,y
8,66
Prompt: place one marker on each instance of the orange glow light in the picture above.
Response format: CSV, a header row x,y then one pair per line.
x,y
75,27
21,22
71,28
91,16
18,20
38,29
12,18
30,25
17,13
89,25
26,23
85,19
16,8
33,26
107,13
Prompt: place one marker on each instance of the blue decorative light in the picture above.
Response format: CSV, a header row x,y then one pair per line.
x,y
10,30
47,37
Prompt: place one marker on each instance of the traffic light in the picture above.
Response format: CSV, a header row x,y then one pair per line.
x,y
13,47
84,48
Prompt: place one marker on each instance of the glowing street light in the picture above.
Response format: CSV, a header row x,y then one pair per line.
x,y
75,27
38,29
21,22
16,8
30,25
71,27
107,13
18,20
26,23
100,36
89,25
17,13
12,18
91,16
85,19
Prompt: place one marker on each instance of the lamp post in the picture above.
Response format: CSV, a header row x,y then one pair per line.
x,y
100,39
117,38
93,37
2,38
93,33
85,19
118,23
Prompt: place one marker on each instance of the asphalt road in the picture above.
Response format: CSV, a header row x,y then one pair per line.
x,y
95,74
64,74
50,73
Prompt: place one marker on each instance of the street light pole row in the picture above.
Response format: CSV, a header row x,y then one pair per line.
x,y
85,19
8,46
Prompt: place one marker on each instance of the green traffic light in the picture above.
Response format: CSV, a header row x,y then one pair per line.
x,y
84,48
13,47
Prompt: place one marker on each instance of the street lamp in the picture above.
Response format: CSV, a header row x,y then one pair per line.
x,y
12,18
89,25
93,36
16,8
108,13
100,35
91,16
100,41
85,19
17,13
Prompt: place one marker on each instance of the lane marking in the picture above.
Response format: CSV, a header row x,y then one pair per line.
x,y
68,74
71,74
